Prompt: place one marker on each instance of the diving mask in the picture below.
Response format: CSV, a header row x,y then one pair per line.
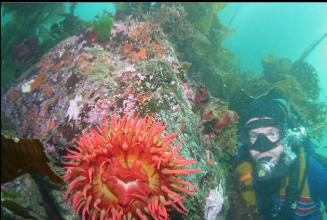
x,y
264,138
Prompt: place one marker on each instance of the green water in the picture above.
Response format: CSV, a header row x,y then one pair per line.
x,y
284,29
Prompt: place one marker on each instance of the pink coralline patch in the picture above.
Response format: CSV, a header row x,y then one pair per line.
x,y
175,67
119,27
44,107
129,104
141,77
101,109
50,148
188,93
127,72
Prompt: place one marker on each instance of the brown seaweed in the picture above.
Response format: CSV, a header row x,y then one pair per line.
x,y
20,156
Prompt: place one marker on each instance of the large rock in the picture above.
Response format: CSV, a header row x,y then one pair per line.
x,y
81,81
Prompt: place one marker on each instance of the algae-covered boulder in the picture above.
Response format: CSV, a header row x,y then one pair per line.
x,y
81,82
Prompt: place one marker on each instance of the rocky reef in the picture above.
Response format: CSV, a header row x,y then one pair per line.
x,y
135,69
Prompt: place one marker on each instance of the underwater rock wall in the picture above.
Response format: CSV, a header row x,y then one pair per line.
x,y
81,80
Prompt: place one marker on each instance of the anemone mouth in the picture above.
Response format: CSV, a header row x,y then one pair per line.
x,y
126,183
127,170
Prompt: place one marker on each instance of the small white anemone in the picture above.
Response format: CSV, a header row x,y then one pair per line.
x,y
214,203
26,87
74,108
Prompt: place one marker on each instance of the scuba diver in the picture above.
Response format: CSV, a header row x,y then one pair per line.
x,y
280,176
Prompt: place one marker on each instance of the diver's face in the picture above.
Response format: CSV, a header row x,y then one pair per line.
x,y
273,134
